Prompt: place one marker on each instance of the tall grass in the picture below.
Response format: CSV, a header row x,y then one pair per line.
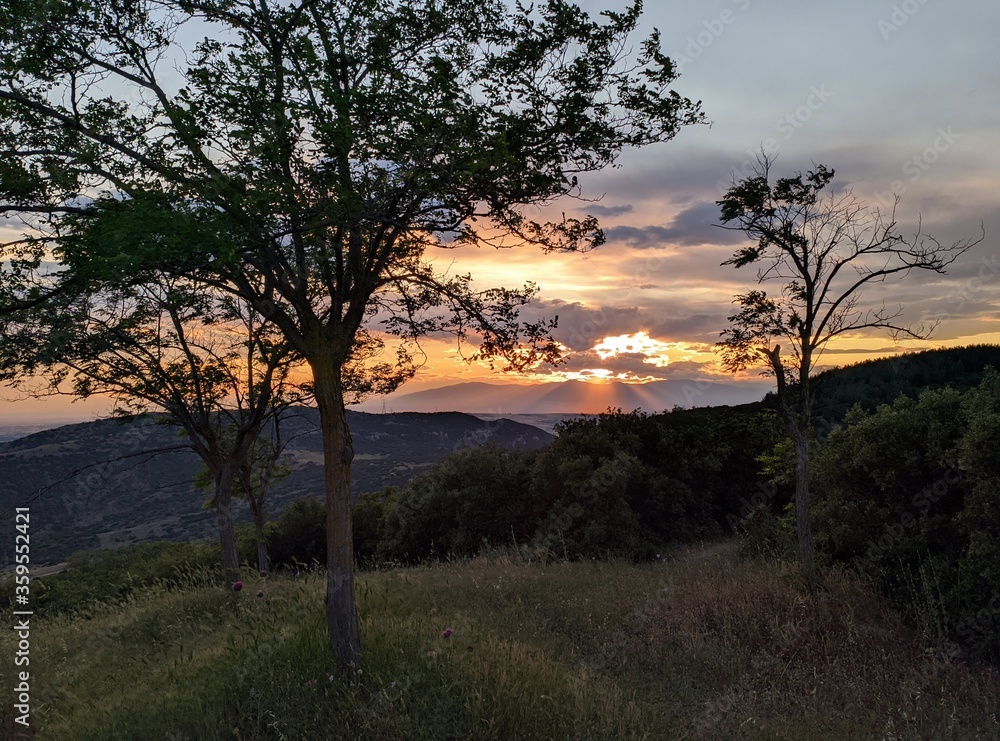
x,y
701,646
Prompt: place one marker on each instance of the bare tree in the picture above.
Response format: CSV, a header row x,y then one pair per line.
x,y
822,248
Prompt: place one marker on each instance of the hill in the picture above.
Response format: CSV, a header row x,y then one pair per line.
x,y
699,646
151,496
881,381
148,495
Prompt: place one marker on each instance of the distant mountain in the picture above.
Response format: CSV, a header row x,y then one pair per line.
x,y
575,397
14,430
151,496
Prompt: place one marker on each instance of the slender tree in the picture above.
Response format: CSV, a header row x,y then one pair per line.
x,y
823,248
318,149
209,363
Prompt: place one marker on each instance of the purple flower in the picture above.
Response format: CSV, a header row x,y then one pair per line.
x,y
237,586
260,592
446,633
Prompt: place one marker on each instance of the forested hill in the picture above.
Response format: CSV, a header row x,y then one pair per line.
x,y
146,496
881,381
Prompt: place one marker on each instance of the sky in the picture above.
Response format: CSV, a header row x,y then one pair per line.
x,y
897,97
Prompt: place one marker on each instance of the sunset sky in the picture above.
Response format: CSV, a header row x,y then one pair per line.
x,y
896,96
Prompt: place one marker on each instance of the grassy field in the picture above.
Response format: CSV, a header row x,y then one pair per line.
x,y
699,646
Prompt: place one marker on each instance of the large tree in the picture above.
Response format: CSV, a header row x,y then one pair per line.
x,y
822,247
319,148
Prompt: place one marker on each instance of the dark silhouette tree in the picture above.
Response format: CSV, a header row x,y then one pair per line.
x,y
313,151
823,249
209,362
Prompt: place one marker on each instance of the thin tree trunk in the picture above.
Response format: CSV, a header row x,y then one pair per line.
x,y
258,518
803,524
227,535
338,452
796,404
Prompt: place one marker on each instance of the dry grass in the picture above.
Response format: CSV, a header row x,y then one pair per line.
x,y
790,659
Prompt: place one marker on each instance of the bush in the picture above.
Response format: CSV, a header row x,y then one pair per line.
x,y
299,536
109,576
767,536
471,499
625,485
370,516
908,496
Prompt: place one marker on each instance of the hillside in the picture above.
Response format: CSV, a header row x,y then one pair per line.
x,y
152,496
699,646
880,381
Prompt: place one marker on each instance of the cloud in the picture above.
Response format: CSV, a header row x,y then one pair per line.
x,y
638,236
691,326
581,327
695,225
597,209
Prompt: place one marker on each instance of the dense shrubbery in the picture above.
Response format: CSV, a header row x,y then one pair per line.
x,y
298,538
910,496
619,484
473,498
625,485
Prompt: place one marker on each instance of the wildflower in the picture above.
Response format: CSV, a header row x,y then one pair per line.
x,y
446,633
260,592
237,586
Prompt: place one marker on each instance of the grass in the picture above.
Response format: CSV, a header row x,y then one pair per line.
x,y
700,646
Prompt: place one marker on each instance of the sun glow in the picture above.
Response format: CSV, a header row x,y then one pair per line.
x,y
640,343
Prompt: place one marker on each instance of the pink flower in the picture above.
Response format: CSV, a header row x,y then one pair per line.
x,y
260,592
446,633
237,586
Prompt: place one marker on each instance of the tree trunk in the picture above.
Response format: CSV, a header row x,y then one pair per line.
x,y
803,524
338,452
797,406
227,535
262,564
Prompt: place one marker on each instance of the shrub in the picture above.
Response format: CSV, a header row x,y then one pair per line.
x,y
110,576
472,498
908,496
370,516
299,535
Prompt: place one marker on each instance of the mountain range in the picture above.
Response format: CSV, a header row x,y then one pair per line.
x,y
573,397
100,484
